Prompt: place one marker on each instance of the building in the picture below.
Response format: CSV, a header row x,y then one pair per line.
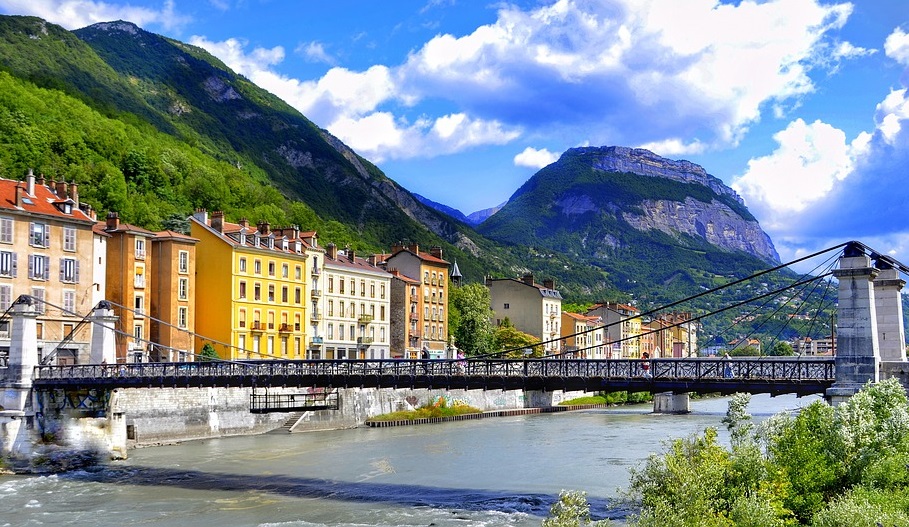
x,y
623,328
250,289
582,336
405,317
357,306
532,308
315,256
130,281
809,346
46,252
684,332
173,297
432,306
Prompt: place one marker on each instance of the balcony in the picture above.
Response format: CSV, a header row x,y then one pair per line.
x,y
365,341
256,326
316,271
414,317
316,341
315,316
365,319
316,293
140,254
139,282
285,328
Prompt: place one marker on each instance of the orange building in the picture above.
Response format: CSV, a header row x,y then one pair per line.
x,y
173,296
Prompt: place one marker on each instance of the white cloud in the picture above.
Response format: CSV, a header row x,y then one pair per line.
x,y
315,52
674,146
533,158
897,46
75,14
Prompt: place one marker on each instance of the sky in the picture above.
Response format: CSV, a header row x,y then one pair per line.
x,y
801,106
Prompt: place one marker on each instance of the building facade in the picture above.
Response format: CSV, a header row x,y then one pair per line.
x,y
173,297
623,328
405,317
46,252
250,289
582,336
532,308
431,333
357,306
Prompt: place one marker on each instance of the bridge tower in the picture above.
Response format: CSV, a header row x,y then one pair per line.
x,y
891,335
857,337
16,408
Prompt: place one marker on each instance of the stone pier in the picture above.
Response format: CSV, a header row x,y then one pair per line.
x,y
17,414
671,403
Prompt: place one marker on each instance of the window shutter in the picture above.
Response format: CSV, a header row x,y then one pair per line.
x,y
31,266
46,267
14,266
76,276
47,235
62,269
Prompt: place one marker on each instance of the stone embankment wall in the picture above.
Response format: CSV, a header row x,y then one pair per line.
x,y
155,415
898,370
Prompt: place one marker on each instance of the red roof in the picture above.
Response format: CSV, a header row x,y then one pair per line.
x,y
45,202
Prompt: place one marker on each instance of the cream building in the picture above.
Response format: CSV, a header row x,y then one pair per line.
x,y
532,308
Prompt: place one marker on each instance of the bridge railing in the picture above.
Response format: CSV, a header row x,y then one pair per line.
x,y
778,369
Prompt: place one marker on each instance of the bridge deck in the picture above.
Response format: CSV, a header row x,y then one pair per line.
x,y
765,375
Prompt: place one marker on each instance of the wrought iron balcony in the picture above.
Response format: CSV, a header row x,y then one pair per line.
x,y
365,341
365,319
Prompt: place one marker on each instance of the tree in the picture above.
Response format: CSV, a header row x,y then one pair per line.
x,y
469,316
515,341
781,349
572,510
208,353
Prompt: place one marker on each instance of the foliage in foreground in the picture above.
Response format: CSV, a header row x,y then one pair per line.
x,y
572,510
825,467
438,408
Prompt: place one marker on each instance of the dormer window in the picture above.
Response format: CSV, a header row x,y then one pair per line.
x,y
256,241
66,207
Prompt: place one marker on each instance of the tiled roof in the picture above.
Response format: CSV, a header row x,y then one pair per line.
x,y
173,235
355,263
234,233
126,227
44,201
426,257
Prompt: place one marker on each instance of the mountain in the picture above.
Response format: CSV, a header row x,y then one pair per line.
x,y
480,216
635,215
445,209
154,128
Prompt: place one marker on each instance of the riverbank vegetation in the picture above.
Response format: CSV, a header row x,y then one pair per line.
x,y
439,408
611,398
843,466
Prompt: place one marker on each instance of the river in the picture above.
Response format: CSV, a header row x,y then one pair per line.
x,y
493,472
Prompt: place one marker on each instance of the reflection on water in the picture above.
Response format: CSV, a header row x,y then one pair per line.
x,y
493,472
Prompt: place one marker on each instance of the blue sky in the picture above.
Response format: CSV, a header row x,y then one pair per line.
x,y
799,105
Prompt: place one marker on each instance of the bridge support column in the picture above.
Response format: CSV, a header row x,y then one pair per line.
x,y
16,408
857,346
104,348
888,303
671,403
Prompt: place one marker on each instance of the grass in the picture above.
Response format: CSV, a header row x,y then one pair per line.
x,y
439,408
611,398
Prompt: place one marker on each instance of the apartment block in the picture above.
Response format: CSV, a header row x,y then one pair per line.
x,y
532,308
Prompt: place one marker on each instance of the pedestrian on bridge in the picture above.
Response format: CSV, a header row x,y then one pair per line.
x,y
727,366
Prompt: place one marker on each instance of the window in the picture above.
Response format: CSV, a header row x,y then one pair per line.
x,y
137,333
257,292
6,230
382,313
271,268
38,267
284,294
271,293
138,305
242,289
298,272
340,285
139,279
331,284
7,263
331,331
183,288
182,317
341,311
382,291
362,287
69,270
340,332
242,265
372,290
506,306
140,249
69,302
39,234
285,270
183,261
257,266
69,239
38,293
242,318
331,308
297,295
6,296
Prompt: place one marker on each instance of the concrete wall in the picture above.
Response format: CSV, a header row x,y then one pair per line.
x,y
154,416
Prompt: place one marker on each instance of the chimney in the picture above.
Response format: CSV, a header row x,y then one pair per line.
x,y
60,189
397,247
527,279
351,254
415,248
40,179
217,221
264,227
332,251
113,221
436,251
488,280
244,223
549,283
30,183
74,192
201,215
373,261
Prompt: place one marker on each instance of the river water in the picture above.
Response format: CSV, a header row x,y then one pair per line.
x,y
493,472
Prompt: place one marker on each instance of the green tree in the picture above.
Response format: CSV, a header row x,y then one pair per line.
x,y
469,317
572,510
208,353
516,342
781,349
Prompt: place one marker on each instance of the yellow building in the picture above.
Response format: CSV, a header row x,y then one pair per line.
x,y
251,296
623,328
